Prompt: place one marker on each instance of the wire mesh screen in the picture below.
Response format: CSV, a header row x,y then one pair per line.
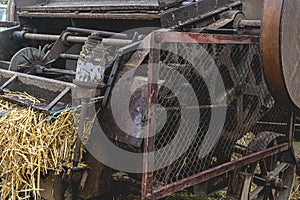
x,y
213,100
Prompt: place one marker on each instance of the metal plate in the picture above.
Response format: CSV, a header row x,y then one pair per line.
x,y
281,50
95,4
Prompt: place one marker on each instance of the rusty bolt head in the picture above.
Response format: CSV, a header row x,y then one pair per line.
x,y
148,196
157,37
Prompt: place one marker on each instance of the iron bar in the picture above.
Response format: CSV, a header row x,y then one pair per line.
x,y
8,24
14,77
59,71
191,107
250,23
69,56
41,82
276,123
74,39
58,98
152,99
4,64
75,15
115,68
101,33
217,171
111,80
178,37
291,125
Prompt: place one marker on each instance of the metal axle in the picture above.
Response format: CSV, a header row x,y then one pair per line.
x,y
68,38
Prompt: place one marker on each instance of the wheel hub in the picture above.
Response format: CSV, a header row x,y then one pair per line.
x,y
274,182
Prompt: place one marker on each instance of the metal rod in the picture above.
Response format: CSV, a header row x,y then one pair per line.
x,y
122,16
115,68
217,171
101,33
8,24
49,84
75,39
291,125
208,38
9,82
275,123
58,98
152,99
191,107
250,23
69,56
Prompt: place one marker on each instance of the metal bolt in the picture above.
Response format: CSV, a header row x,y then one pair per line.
x,y
148,196
157,37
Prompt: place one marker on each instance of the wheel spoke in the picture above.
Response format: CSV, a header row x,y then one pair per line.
x,y
27,59
270,163
263,167
255,192
259,180
280,168
271,195
263,195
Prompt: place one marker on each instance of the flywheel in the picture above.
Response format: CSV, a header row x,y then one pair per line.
x,y
26,59
281,50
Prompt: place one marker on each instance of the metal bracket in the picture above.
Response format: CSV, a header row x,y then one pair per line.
x,y
114,70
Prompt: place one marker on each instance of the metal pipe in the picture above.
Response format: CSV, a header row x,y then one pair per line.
x,y
250,23
101,33
60,71
116,42
69,56
44,37
72,39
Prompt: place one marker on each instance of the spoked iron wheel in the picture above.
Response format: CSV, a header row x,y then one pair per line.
x,y
272,178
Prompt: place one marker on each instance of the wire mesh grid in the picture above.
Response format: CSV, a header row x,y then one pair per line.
x,y
187,71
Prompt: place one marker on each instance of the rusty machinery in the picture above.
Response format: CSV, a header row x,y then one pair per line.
x,y
254,43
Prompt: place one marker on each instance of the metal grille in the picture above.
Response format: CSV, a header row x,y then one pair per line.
x,y
250,108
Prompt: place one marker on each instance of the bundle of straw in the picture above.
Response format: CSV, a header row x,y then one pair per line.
x,y
31,147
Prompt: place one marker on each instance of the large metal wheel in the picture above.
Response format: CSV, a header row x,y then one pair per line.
x,y
272,178
281,50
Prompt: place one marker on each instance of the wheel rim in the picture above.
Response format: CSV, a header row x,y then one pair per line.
x,y
272,179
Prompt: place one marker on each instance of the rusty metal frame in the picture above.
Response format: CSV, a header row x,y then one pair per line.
x,y
152,98
216,171
148,192
195,11
8,24
48,84
179,37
